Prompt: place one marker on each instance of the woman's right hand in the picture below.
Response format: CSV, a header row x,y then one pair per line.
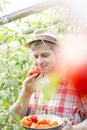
x,y
29,83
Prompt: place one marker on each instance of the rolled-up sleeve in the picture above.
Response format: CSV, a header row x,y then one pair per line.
x,y
84,106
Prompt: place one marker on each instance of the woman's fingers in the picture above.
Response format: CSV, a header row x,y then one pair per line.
x,y
29,81
66,120
68,125
31,78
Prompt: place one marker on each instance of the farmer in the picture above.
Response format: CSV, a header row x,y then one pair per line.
x,y
65,103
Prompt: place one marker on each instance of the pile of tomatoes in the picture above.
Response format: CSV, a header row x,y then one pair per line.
x,y
32,121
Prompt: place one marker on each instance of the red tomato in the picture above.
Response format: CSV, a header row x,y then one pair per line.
x,y
34,125
36,70
43,126
26,121
53,123
42,121
33,118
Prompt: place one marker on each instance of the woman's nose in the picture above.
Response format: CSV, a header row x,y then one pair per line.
x,y
40,60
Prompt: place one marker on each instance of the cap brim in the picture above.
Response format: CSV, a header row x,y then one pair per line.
x,y
29,43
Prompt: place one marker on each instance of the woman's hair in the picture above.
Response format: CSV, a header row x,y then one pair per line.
x,y
41,42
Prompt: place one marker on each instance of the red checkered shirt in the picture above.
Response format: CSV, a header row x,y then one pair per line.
x,y
65,103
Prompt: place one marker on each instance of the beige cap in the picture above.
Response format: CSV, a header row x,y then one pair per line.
x,y
43,35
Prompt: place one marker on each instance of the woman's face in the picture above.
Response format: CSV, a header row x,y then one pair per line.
x,y
45,57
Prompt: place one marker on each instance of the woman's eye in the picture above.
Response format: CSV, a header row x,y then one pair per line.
x,y
45,55
35,57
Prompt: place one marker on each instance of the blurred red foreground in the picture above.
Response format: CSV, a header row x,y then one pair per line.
x,y
74,61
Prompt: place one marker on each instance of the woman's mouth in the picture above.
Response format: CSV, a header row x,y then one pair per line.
x,y
43,67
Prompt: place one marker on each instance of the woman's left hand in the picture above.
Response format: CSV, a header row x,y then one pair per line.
x,y
68,125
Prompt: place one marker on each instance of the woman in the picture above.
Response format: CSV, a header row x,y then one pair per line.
x,y
65,103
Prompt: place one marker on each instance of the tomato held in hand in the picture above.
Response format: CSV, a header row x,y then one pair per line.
x,y
36,70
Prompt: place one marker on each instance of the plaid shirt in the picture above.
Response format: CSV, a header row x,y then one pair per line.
x,y
65,103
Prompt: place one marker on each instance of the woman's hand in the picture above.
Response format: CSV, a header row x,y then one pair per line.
x,y
29,83
68,125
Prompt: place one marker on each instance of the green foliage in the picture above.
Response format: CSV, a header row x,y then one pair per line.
x,y
4,121
15,61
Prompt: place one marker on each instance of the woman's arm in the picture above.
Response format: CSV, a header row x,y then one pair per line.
x,y
20,109
24,96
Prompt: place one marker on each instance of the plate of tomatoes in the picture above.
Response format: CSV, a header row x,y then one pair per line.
x,y
42,122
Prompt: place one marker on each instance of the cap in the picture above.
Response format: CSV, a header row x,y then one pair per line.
x,y
43,35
